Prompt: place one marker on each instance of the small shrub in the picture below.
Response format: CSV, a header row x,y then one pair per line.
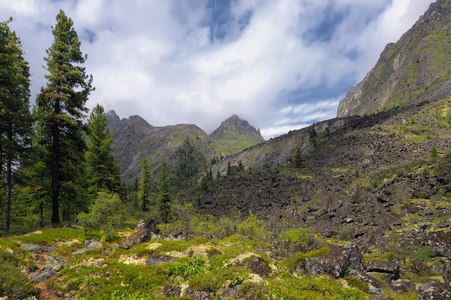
x,y
300,236
418,256
107,214
434,153
253,228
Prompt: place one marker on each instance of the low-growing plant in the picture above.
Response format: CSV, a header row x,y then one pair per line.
x,y
215,279
254,229
107,214
417,256
300,236
355,282
14,284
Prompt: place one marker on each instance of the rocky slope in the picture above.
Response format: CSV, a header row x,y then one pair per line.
x,y
235,135
415,69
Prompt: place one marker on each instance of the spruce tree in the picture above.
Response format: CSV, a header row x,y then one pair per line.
x,y
164,197
15,117
62,106
144,188
101,164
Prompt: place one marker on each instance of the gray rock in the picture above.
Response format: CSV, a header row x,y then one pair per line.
x,y
381,297
43,275
53,265
375,291
258,266
384,267
336,263
443,224
55,262
197,295
144,235
37,248
148,224
90,245
158,259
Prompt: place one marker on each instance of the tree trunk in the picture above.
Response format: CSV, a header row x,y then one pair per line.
x,y
41,213
55,165
8,195
9,158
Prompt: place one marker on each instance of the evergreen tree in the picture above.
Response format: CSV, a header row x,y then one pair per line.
x,y
15,121
164,197
102,167
144,188
62,104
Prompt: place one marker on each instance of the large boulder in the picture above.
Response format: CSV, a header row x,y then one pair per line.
x,y
53,265
440,241
258,266
387,267
142,236
150,224
339,261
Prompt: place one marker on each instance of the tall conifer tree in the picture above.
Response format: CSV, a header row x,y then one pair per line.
x,y
62,102
164,196
15,117
102,166
144,188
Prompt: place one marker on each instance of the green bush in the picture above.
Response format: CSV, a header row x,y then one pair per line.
x,y
300,236
107,214
434,153
253,228
417,256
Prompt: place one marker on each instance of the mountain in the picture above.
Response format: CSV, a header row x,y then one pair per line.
x,y
375,181
186,148
416,69
235,135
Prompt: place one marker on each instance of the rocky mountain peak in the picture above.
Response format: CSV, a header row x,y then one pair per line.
x,y
414,70
235,125
235,135
112,116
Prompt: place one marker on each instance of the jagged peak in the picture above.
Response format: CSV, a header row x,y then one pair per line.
x,y
112,116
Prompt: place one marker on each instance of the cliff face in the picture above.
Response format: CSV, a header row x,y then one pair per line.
x,y
414,70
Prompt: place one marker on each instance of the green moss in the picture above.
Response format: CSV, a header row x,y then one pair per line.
x,y
357,283
51,236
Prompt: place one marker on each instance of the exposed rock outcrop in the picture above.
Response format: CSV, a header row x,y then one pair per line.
x,y
141,236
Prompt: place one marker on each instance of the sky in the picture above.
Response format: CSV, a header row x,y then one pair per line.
x,y
279,64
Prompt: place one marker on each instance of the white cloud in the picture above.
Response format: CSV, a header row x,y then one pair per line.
x,y
162,59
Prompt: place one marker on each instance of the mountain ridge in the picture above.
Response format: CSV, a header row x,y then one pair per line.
x,y
415,69
186,148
